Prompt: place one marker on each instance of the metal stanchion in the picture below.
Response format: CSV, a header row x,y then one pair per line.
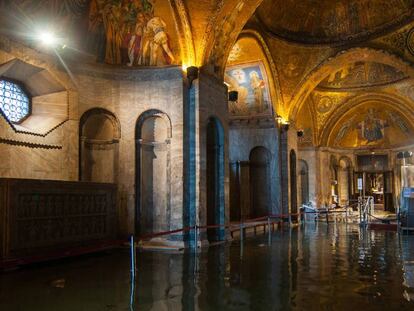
x,y
269,230
133,270
241,232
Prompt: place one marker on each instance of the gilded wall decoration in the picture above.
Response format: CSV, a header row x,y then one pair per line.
x,y
333,22
251,83
324,105
292,67
362,74
410,41
128,32
371,127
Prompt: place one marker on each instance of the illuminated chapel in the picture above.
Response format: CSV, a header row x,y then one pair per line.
x,y
206,154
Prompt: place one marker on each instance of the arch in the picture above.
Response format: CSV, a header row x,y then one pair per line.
x,y
344,180
260,198
99,135
293,183
336,62
153,173
303,182
272,72
394,102
215,179
185,37
222,32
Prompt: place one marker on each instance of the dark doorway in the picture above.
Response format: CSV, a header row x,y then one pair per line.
x,y
215,179
260,202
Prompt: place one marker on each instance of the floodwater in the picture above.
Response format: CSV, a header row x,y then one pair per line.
x,y
314,267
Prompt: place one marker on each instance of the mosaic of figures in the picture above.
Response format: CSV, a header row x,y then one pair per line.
x,y
327,21
362,74
250,81
372,127
127,32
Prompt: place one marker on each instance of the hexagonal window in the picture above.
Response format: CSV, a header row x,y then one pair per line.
x,y
14,101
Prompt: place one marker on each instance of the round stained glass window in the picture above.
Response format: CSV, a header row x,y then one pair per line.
x,y
14,102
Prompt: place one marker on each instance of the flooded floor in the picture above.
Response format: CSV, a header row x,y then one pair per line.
x,y
314,267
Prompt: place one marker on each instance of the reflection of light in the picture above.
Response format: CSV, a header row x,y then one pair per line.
x,y
48,38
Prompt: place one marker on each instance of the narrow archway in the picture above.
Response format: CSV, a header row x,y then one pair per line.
x,y
293,184
260,201
304,182
99,132
215,179
153,193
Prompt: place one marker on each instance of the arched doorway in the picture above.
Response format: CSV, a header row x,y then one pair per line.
x,y
215,179
99,132
260,201
293,184
303,182
153,193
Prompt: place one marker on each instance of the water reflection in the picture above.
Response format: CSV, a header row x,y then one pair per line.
x,y
315,267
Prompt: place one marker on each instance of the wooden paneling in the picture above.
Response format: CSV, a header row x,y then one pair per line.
x,y
51,215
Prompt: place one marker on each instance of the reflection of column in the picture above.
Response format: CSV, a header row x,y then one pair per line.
x,y
245,189
235,206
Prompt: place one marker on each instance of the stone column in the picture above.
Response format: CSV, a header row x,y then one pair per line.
x,y
284,170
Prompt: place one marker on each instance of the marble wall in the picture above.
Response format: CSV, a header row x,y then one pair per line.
x,y
244,136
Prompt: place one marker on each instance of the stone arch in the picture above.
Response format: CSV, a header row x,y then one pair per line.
x,y
272,73
336,62
222,32
303,175
215,201
260,180
153,134
99,135
185,38
394,102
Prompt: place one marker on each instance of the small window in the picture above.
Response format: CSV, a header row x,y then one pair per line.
x,y
14,101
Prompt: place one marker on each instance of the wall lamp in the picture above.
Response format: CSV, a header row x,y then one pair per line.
x,y
233,96
192,74
284,125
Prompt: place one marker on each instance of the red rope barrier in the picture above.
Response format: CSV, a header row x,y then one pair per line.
x,y
228,226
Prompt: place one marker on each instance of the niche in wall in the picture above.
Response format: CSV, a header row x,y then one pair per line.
x,y
99,146
260,201
153,169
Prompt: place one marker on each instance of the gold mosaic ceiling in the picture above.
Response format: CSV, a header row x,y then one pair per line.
x,y
361,75
333,21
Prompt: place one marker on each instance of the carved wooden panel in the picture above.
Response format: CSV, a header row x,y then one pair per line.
x,y
52,214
